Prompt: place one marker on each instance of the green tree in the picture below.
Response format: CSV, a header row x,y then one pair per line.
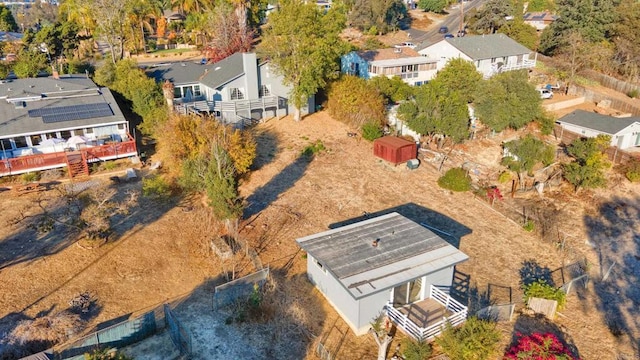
x,y
106,354
460,76
7,21
393,89
521,32
29,63
436,6
355,102
416,350
626,36
526,153
588,168
507,100
4,70
455,179
491,16
475,340
541,5
381,15
437,111
591,19
127,79
60,39
304,46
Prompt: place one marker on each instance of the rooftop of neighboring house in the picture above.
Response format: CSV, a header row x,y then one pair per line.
x,y
394,57
481,47
7,36
38,105
603,123
540,16
211,75
379,253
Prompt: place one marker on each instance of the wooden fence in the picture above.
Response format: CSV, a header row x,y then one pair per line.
x,y
543,306
611,82
596,97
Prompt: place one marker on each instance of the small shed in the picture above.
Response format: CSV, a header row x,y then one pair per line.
x,y
395,149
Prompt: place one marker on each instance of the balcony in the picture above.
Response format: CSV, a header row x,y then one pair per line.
x,y
524,64
38,162
424,320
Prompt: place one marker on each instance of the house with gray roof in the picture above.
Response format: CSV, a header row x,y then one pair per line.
x,y
237,88
388,264
624,132
491,54
47,123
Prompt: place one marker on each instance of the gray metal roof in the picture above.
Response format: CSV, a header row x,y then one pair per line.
x,y
46,93
179,73
224,71
598,122
405,251
488,46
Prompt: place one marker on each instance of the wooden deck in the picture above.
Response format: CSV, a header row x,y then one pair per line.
x,y
425,313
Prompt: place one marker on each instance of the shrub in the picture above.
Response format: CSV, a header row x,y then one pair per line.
x,y
476,339
30,177
455,179
633,93
415,350
632,170
540,347
371,131
504,177
156,187
529,226
312,149
541,289
106,354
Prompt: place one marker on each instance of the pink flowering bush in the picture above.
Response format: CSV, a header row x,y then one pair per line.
x,y
539,346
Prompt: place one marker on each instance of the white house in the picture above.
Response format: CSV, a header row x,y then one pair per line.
x,y
403,62
491,54
237,88
386,264
624,132
55,122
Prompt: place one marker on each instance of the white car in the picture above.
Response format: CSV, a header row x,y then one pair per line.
x,y
545,93
406,44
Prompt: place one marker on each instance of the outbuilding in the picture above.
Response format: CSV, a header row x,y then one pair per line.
x,y
395,149
388,264
624,132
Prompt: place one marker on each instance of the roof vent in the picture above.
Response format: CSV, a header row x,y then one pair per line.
x,y
217,68
375,242
397,50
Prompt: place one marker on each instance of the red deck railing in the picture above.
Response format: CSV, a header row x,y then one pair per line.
x,y
36,162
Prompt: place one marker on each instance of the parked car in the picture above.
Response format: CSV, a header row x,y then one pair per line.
x,y
443,30
448,36
406,44
545,93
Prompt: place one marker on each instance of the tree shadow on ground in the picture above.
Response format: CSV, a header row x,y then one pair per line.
x,y
530,324
531,272
284,180
614,233
447,228
266,147
23,335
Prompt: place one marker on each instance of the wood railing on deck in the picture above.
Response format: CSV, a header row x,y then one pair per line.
x,y
22,164
419,333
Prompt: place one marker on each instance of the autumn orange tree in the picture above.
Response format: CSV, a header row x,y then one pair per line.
x,y
203,155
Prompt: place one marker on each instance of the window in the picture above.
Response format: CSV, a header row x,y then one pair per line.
x,y
177,92
196,90
65,134
265,91
319,264
35,140
20,141
120,126
88,131
493,60
5,144
236,94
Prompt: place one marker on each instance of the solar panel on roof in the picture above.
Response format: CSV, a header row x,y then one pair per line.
x,y
72,112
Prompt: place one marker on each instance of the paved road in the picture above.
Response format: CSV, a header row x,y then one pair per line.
x,y
426,38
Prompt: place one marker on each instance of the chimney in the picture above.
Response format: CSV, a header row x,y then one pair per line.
x,y
167,91
375,242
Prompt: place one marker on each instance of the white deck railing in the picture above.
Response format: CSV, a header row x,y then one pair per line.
x,y
524,64
421,334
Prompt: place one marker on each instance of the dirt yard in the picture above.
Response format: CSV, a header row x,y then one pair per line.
x,y
161,251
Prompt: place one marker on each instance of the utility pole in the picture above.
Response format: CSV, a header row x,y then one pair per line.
x,y
461,27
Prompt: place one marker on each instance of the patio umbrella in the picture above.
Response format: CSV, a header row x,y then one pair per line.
x,y
51,142
75,140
